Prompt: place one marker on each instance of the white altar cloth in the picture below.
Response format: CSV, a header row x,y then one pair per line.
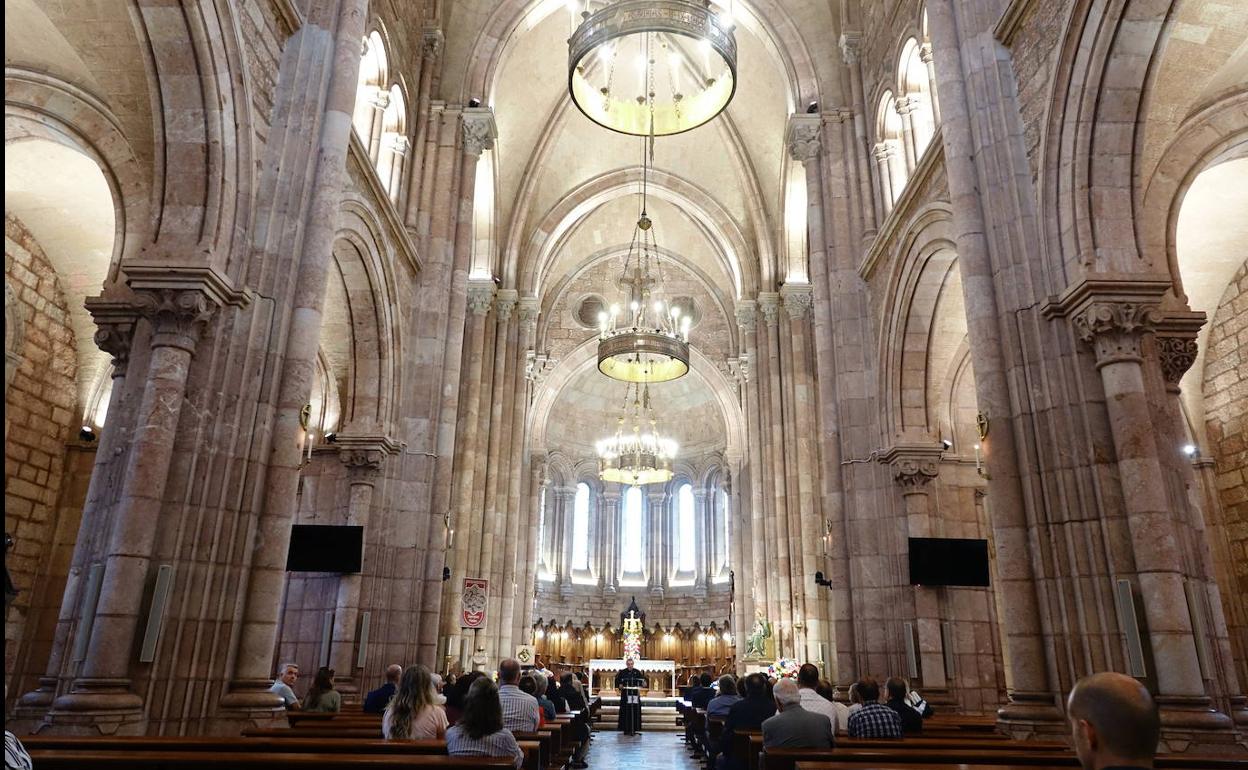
x,y
608,664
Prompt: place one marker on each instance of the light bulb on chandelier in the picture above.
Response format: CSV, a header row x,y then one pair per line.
x,y
636,454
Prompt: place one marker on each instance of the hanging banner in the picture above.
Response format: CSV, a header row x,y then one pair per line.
x,y
473,604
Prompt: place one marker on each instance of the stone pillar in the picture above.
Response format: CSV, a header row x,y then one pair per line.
x,y
567,499
1032,700
925,53
497,522
914,468
905,108
537,482
883,153
858,173
773,439
114,335
1114,326
363,457
609,545
177,309
757,586
702,539
431,44
658,513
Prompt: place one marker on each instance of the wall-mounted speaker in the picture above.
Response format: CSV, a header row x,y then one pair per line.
x,y
1124,598
156,616
90,598
363,637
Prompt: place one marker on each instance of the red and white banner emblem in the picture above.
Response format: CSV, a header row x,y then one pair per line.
x,y
474,602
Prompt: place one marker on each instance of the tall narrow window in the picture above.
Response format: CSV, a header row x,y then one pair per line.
x,y
724,525
686,523
370,95
543,564
632,521
580,528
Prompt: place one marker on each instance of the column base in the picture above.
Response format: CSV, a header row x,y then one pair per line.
x,y
97,706
251,695
1191,723
1031,715
939,696
40,698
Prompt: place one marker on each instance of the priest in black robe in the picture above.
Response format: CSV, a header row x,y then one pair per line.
x,y
628,683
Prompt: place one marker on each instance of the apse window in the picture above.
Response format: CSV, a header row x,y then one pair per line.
x,y
580,529
632,540
686,537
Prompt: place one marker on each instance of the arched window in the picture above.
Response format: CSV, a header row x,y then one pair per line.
x,y
916,101
580,528
632,541
686,530
371,94
543,561
890,157
723,527
393,149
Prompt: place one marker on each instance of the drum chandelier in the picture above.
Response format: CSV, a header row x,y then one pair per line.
x,y
648,339
652,67
636,455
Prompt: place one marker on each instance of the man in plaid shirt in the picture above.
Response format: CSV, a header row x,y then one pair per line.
x,y
521,711
874,719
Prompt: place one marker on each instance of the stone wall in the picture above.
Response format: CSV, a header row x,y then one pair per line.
x,y
1226,394
40,414
587,604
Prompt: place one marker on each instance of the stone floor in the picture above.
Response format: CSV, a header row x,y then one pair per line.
x,y
647,751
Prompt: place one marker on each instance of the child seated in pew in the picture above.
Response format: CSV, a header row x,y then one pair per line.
x,y
480,731
322,696
412,713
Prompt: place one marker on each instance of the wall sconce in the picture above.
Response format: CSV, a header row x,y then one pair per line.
x,y
820,580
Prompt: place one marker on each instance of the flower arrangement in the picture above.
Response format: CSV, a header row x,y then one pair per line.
x,y
783,667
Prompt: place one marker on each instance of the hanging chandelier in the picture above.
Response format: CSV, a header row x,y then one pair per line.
x,y
647,340
636,454
653,67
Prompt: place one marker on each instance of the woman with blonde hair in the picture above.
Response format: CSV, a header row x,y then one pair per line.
x,y
413,713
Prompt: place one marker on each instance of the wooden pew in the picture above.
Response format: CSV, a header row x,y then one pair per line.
x,y
313,732
789,759
76,759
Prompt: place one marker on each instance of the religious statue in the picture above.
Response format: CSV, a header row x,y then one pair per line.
x,y
756,642
480,660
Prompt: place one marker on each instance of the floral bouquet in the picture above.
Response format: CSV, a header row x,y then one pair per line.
x,y
783,667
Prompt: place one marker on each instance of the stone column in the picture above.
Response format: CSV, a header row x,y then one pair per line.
x,y
773,437
1114,326
925,53
702,539
905,108
114,335
567,499
431,44
537,482
609,553
498,523
363,457
658,512
1030,688
757,587
858,162
177,309
914,468
252,669
883,153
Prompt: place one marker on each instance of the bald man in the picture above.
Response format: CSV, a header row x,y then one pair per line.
x,y
377,700
1114,722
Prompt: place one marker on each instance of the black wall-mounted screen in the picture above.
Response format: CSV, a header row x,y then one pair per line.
x,y
948,561
322,548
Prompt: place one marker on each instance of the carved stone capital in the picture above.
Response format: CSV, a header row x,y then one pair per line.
x,y
804,137
379,98
769,305
364,456
913,465
480,296
177,316
851,47
747,315
537,366
114,333
1115,330
1175,341
505,302
925,53
799,300
743,367
527,312
883,151
431,41
479,130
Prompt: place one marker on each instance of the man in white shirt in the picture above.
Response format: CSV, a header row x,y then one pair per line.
x,y
521,711
287,675
811,700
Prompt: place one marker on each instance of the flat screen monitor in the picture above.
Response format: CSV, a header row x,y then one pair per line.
x,y
325,548
948,561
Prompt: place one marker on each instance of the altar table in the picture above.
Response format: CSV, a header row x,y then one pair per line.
x,y
608,665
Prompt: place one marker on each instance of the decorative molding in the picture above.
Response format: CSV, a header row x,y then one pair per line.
x,y
537,366
747,315
769,305
431,42
177,316
1177,349
115,329
851,47
480,296
914,465
804,137
1115,330
529,309
504,302
799,300
479,130
1011,20
364,456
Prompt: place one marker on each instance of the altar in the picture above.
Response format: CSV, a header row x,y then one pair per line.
x,y
609,666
